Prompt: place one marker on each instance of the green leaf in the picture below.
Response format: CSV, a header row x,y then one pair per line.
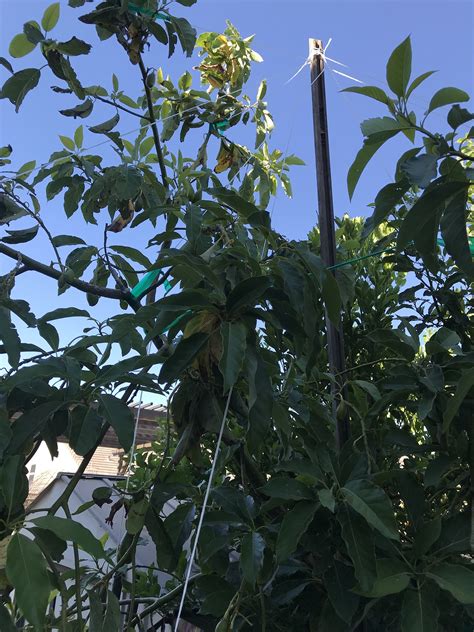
x,y
380,129
85,432
458,116
433,199
446,96
18,85
293,526
251,556
393,576
420,610
331,297
370,91
399,68
338,581
133,254
47,540
33,32
30,423
373,504
421,170
73,47
260,399
136,516
127,183
79,136
456,579
185,352
6,64
112,617
186,34
72,531
360,547
20,46
235,201
14,487
82,110
27,572
326,498
49,333
359,164
187,299
67,240
106,126
146,146
234,341
120,417
416,82
10,338
426,535
64,312
247,293
50,17
454,231
286,488
6,622
67,142
464,385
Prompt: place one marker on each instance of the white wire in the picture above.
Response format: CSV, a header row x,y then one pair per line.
x,y
133,131
133,447
203,511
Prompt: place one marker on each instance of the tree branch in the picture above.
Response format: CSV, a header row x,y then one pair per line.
x,y
37,266
121,107
154,127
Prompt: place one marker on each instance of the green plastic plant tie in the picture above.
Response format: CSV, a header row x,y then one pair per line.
x,y
143,11
219,126
356,259
471,244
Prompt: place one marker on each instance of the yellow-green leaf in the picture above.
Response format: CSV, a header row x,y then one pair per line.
x,y
50,17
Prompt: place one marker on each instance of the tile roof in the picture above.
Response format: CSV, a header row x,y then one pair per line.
x,y
108,459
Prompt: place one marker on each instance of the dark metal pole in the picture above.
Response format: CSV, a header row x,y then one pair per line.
x,y
335,340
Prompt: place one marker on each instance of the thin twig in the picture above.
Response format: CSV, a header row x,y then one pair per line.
x,y
121,107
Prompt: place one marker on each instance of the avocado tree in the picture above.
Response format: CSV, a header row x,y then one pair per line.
x,y
296,534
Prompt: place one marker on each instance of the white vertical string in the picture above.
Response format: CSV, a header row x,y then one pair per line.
x,y
203,511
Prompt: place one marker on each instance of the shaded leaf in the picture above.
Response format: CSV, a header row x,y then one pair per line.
x,y
464,385
446,96
294,524
247,293
421,170
72,531
359,164
360,547
399,68
456,579
18,85
393,576
251,556
286,488
454,231
373,504
419,610
185,352
27,572
234,339
120,417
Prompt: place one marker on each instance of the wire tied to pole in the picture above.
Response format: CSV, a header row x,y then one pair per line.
x,y
321,52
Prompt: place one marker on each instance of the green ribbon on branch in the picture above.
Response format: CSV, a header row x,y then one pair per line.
x,y
147,282
133,8
219,126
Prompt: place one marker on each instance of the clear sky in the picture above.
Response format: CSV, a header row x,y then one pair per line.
x,y
363,35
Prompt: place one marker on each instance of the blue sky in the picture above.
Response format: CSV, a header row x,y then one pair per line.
x,y
363,35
